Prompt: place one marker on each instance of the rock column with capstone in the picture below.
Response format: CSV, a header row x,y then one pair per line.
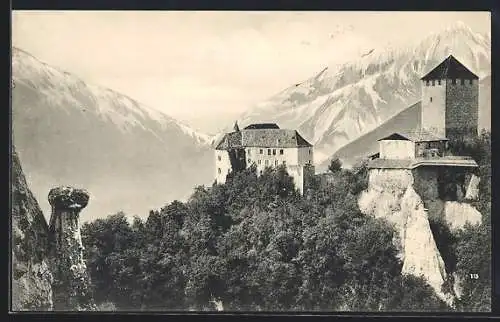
x,y
71,287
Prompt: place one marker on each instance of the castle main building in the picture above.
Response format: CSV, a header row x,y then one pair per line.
x,y
264,145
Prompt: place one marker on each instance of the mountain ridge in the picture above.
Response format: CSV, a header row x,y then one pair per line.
x,y
68,132
342,102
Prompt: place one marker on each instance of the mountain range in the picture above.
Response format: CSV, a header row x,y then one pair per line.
x,y
134,158
341,103
129,156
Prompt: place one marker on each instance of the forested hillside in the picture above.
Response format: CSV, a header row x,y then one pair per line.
x,y
255,243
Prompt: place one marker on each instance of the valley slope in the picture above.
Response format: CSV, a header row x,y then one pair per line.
x,y
129,156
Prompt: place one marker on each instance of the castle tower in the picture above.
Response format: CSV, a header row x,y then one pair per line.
x,y
71,286
450,101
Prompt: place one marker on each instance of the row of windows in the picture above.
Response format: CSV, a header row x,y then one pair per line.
x,y
453,82
266,162
276,162
261,151
269,151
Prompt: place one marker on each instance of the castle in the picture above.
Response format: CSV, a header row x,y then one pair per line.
x,y
264,145
449,111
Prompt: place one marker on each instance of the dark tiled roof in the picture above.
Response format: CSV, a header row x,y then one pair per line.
x,y
262,126
263,138
445,161
450,68
389,164
450,161
417,135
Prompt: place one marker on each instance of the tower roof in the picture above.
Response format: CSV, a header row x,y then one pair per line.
x,y
417,135
450,68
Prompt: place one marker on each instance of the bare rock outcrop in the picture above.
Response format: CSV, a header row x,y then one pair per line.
x,y
457,214
472,191
71,285
390,195
421,255
31,274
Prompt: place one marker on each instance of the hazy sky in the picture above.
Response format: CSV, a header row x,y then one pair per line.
x,y
207,67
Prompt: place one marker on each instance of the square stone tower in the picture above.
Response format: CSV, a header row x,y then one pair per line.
x,y
450,100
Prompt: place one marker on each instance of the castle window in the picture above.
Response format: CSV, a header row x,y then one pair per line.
x,y
309,151
281,151
248,151
268,151
259,162
276,162
461,82
267,162
433,83
261,151
274,151
219,158
439,82
219,170
453,81
427,83
430,98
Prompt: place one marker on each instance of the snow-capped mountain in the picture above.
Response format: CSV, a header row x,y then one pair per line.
x,y
129,156
410,118
341,103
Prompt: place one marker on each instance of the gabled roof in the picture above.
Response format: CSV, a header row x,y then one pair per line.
x,y
262,126
450,68
271,137
417,135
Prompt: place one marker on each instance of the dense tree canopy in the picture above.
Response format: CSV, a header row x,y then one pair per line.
x,y
255,243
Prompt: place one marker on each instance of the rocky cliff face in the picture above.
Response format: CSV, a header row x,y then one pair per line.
x,y
397,196
48,269
31,274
